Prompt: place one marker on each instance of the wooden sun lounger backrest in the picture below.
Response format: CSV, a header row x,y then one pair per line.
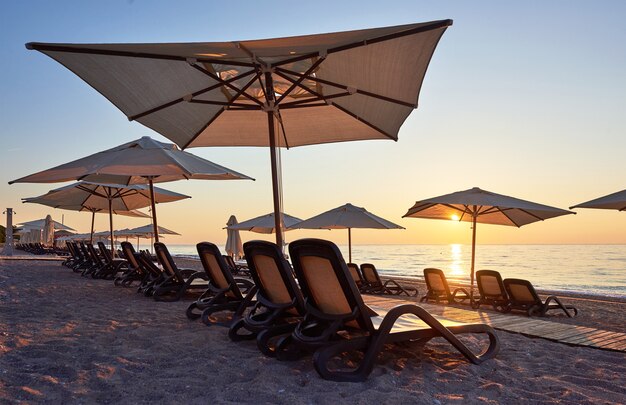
x,y
145,261
272,275
105,252
436,281
165,259
521,291
326,282
355,272
370,274
490,284
94,255
216,268
84,251
129,254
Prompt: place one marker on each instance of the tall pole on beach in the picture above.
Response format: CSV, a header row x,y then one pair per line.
x,y
349,245
269,95
155,227
474,214
8,240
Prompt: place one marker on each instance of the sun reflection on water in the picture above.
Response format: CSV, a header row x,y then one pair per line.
x,y
456,258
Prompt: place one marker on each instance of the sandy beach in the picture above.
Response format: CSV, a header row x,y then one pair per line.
x,y
65,338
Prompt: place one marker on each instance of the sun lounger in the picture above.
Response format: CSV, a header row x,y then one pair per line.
x,y
224,292
153,274
113,265
338,321
492,291
97,262
177,281
133,271
355,272
438,288
374,285
279,303
522,296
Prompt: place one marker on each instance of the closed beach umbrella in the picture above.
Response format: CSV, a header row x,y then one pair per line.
x,y
615,201
234,247
47,235
346,217
143,161
476,205
109,197
282,92
265,223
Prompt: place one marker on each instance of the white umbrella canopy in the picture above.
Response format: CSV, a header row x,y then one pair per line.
x,y
234,247
265,223
615,201
96,197
481,206
148,231
347,216
136,163
281,92
40,223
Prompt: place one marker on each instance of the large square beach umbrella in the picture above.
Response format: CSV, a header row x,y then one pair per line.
x,y
476,205
108,197
347,217
615,201
265,223
143,161
281,92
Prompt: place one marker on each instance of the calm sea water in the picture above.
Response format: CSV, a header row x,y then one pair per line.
x,y
590,269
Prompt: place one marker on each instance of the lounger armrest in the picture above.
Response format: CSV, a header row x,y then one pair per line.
x,y
188,272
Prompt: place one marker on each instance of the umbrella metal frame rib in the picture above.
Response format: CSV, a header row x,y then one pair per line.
x,y
263,70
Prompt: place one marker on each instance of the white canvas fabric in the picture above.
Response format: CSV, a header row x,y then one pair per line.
x,y
47,235
264,223
234,246
87,196
346,216
132,163
615,201
145,231
40,223
361,84
490,208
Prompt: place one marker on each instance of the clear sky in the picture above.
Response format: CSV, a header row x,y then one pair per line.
x,y
521,98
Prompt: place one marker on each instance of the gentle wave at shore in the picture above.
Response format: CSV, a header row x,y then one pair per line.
x,y
588,269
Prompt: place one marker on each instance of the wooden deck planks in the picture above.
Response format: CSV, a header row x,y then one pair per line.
x,y
542,328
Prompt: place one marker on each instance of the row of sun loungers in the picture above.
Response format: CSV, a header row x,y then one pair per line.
x,y
313,308
39,249
503,295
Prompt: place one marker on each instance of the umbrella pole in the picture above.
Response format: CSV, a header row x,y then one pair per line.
x,y
154,216
349,245
269,94
111,225
93,218
138,243
473,256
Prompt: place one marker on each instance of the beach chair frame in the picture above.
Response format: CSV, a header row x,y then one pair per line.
x,y
321,271
374,285
177,281
279,303
499,299
224,292
524,297
440,290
